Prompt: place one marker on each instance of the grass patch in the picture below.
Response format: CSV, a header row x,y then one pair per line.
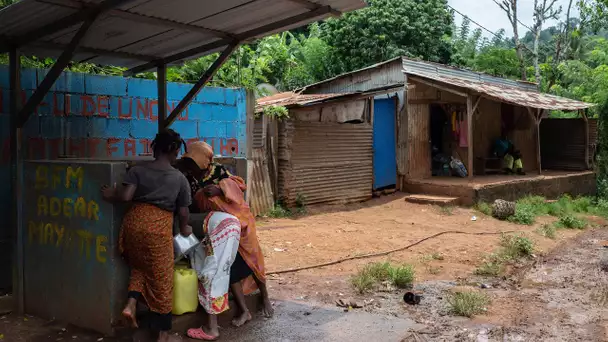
x,y
530,207
484,208
401,276
468,304
547,230
571,222
515,247
278,211
524,214
490,268
512,248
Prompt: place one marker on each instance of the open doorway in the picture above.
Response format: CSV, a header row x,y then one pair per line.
x,y
447,131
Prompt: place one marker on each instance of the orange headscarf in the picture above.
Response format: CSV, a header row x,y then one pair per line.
x,y
201,153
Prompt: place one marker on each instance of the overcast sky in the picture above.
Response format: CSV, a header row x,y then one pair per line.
x,y
489,15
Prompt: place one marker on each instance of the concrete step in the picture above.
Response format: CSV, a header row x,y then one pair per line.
x,y
433,200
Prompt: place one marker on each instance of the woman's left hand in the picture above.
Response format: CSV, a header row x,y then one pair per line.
x,y
212,191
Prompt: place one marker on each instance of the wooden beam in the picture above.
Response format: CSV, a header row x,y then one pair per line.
x,y
161,85
60,24
16,173
200,84
476,104
538,155
438,86
586,119
470,135
53,74
207,48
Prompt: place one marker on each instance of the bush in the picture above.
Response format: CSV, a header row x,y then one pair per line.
x,y
516,246
468,304
524,214
572,222
278,211
490,268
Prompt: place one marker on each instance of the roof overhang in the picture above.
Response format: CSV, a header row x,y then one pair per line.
x,y
142,34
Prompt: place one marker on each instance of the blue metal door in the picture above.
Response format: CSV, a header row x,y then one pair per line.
x,y
385,160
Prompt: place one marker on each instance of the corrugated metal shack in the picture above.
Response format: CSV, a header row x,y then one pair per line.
x,y
482,104
323,152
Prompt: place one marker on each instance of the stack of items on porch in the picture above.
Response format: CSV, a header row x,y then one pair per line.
x,y
445,159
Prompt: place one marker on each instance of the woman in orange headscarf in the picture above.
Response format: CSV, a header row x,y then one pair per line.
x,y
217,190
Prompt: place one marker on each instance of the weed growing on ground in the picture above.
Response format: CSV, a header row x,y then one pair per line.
x,y
278,211
547,230
571,222
468,304
492,267
363,282
401,276
446,210
530,207
433,270
515,247
512,248
484,208
524,214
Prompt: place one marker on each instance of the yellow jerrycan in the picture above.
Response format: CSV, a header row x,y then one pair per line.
x,y
185,291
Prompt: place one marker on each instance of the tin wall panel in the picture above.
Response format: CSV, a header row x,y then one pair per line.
x,y
387,74
260,189
563,144
325,162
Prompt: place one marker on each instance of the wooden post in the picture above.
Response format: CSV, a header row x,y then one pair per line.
x,y
470,135
586,119
161,85
539,117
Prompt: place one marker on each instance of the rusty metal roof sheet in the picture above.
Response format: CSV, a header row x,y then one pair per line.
x,y
131,32
290,99
499,89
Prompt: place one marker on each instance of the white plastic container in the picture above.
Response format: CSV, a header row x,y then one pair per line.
x,y
182,245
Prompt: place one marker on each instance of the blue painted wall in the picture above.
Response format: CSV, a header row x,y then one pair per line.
x,y
107,117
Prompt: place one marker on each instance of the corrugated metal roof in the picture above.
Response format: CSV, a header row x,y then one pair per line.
x,y
513,92
149,30
288,99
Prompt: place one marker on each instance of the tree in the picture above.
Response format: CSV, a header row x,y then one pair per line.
x,y
387,29
510,8
543,11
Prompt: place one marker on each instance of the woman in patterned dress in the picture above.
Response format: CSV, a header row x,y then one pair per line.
x,y
157,191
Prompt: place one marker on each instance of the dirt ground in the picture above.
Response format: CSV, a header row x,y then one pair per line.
x,y
334,232
559,295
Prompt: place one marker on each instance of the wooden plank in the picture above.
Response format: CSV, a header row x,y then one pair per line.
x,y
586,119
438,86
538,156
470,158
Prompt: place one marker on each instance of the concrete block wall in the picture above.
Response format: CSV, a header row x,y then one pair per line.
x,y
108,117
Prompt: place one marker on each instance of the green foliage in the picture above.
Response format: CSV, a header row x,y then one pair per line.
x,y
571,222
279,211
387,29
515,247
468,303
523,215
491,267
276,112
547,230
484,208
401,276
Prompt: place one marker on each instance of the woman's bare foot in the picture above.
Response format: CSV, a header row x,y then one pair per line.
x,y
267,310
240,320
129,313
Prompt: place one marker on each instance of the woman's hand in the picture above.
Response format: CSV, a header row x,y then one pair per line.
x,y
212,191
186,230
108,193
